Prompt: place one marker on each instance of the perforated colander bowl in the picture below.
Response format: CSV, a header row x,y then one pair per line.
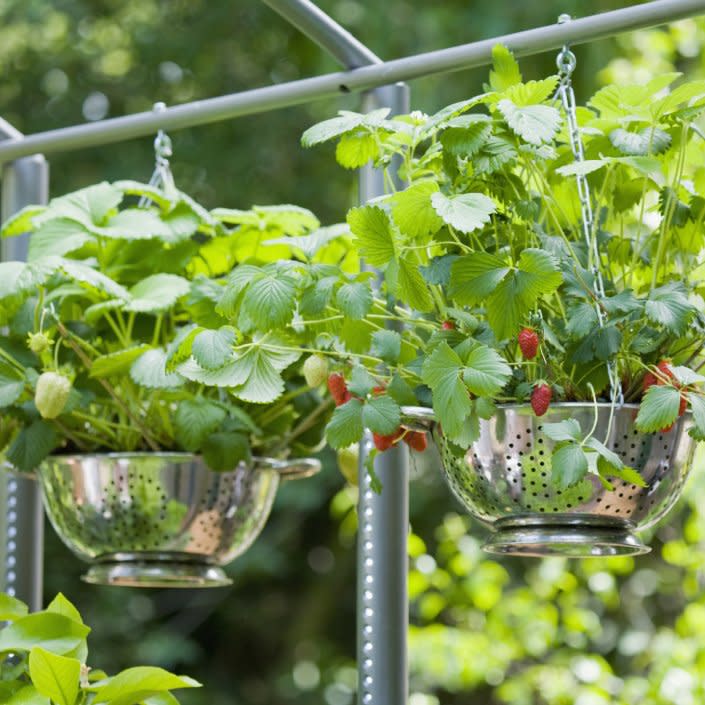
x,y
504,479
160,519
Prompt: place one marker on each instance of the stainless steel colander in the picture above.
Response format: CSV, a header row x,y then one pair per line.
x,y
504,479
160,519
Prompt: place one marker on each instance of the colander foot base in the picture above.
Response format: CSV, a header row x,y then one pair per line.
x,y
573,539
159,573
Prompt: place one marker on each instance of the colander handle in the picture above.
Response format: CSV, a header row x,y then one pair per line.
x,y
296,469
417,418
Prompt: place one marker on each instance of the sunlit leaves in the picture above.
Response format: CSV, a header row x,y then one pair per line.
x,y
466,212
658,409
535,124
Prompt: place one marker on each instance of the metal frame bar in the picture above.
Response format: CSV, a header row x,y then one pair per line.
x,y
24,181
259,100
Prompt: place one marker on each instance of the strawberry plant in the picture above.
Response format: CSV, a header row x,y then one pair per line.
x,y
489,291
44,658
120,334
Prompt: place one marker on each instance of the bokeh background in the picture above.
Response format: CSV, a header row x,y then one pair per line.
x,y
521,632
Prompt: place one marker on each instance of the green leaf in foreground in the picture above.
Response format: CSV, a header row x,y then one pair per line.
x,y
485,371
11,608
54,676
53,632
116,363
567,430
195,419
157,293
223,451
535,124
134,685
354,299
32,445
381,415
149,370
451,400
373,234
466,212
658,409
346,426
213,348
505,69
412,210
568,465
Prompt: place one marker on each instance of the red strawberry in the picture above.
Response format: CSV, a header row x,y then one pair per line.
x,y
380,389
338,388
528,342
416,440
666,429
448,325
649,380
383,443
541,399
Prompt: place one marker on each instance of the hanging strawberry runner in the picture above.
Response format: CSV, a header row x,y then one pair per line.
x,y
552,336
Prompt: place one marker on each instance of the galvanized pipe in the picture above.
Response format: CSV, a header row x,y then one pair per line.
x,y
325,31
260,100
24,182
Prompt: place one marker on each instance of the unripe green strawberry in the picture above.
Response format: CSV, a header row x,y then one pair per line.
x,y
38,342
315,370
348,459
51,394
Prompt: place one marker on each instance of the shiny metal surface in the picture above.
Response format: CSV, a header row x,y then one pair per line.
x,y
160,519
504,479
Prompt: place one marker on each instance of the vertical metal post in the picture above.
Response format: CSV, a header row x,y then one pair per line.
x,y
382,589
24,182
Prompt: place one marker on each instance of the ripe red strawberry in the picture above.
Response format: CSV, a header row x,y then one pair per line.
x,y
649,380
338,388
541,399
666,429
379,389
383,443
417,440
448,325
528,342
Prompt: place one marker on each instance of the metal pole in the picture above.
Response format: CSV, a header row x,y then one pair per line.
x,y
24,182
325,31
382,563
260,100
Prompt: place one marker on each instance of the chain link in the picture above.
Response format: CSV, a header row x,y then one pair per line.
x,y
162,176
566,63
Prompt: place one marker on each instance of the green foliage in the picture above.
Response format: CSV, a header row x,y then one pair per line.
x,y
44,661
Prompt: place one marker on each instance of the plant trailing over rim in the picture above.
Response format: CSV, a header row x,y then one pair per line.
x,y
121,334
44,658
487,272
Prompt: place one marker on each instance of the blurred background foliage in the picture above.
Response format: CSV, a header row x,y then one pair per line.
x,y
520,632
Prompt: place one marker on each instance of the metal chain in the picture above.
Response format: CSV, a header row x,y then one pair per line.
x,y
566,63
162,176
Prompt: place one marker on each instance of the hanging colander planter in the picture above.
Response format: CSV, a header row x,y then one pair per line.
x,y
160,519
504,480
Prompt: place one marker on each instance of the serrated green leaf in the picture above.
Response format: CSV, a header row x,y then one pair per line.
x,y
381,414
669,306
582,318
32,444
238,281
58,236
532,92
569,465
442,371
195,419
412,210
567,430
135,224
474,277
157,293
149,370
361,382
649,140
466,212
658,408
260,368
224,451
345,426
373,235
386,344
11,384
485,372
270,300
153,193
54,676
485,408
354,299
313,242
697,407
179,349
495,153
605,453
329,129
465,135
401,392
213,348
584,167
21,222
93,280
355,150
410,286
535,124
116,363
505,69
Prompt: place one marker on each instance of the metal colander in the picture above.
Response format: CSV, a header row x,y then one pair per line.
x,y
504,479
160,519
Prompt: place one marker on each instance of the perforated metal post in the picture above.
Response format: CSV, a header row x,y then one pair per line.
x,y
382,592
24,181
